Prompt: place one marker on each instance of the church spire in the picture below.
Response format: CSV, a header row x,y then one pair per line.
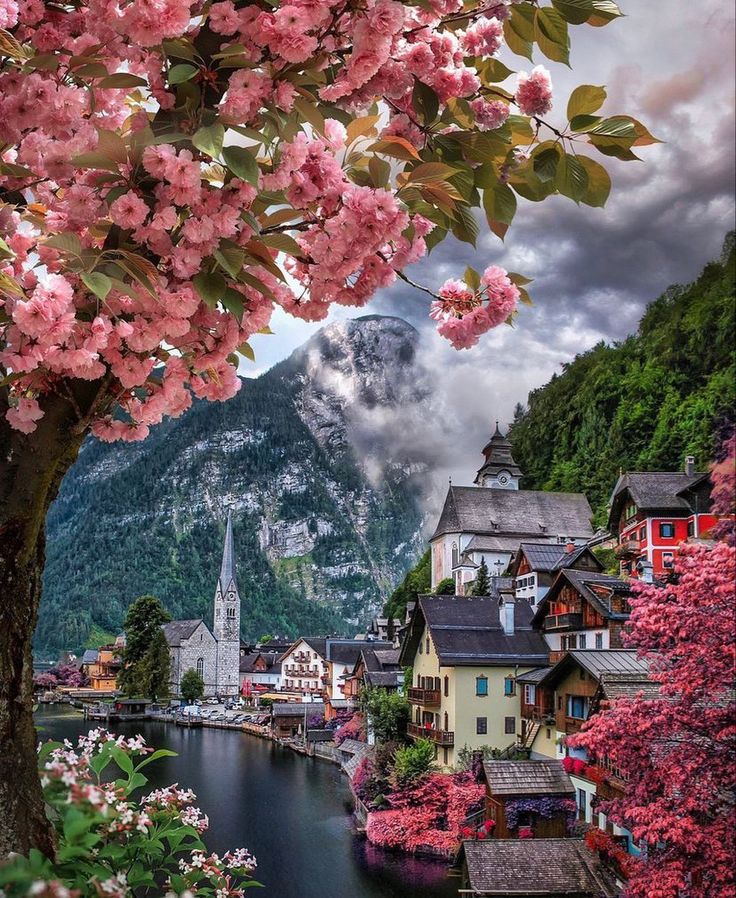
x,y
227,570
499,471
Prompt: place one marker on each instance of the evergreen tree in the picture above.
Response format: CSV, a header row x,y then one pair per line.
x,y
416,582
482,584
155,668
191,686
445,587
142,623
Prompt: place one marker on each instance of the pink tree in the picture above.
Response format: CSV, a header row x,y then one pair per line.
x,y
677,752
170,170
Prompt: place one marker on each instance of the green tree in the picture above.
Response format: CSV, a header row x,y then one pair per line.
x,y
142,623
482,584
155,668
191,686
416,582
445,587
387,713
412,762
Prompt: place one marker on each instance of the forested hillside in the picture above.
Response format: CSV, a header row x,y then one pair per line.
x,y
643,404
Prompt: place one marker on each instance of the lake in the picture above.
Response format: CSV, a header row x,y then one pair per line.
x,y
291,812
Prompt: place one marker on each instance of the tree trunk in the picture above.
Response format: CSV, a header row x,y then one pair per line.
x,y
31,469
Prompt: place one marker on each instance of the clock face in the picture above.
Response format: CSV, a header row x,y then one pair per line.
x,y
503,477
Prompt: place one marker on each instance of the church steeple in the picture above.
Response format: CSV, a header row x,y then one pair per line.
x,y
499,471
227,619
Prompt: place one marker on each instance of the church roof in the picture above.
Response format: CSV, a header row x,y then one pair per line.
x,y
497,452
227,570
528,513
177,630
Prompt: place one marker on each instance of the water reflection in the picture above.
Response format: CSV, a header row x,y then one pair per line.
x,y
292,812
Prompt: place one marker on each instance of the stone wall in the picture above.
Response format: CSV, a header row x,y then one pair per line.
x,y
201,644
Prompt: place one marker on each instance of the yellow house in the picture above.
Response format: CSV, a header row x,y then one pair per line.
x,y
466,653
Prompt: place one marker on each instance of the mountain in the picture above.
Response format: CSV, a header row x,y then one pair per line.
x,y
325,498
642,404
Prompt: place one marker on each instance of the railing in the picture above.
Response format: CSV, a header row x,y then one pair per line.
x,y
439,737
628,547
423,696
571,620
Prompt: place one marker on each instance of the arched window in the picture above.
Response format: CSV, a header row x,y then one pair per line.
x,y
454,555
447,723
447,686
200,667
231,613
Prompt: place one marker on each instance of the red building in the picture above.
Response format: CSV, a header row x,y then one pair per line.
x,y
653,512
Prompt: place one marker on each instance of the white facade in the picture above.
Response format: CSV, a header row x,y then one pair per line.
x,y
302,670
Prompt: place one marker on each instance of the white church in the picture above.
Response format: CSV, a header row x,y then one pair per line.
x,y
214,654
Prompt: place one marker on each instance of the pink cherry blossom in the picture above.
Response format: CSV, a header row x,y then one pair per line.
x,y
129,210
534,92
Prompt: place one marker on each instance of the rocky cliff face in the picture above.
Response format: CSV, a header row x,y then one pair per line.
x,y
313,460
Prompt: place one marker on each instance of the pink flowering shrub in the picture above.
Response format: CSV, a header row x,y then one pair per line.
x,y
351,729
173,171
63,675
104,829
427,816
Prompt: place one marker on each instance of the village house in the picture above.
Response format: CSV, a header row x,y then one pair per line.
x,y
466,654
532,795
580,683
583,610
375,667
536,565
304,667
214,654
290,720
260,671
652,512
101,667
489,521
544,868
342,656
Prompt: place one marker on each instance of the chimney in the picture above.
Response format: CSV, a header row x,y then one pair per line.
x,y
570,547
690,465
508,615
646,571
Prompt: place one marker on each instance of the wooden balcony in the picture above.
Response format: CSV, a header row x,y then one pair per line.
x,y
428,697
629,548
439,737
569,621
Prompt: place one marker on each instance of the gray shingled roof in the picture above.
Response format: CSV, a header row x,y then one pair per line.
x,y
599,662
273,665
617,685
176,630
385,678
583,582
347,651
467,630
534,676
539,867
90,656
527,778
296,709
529,513
658,490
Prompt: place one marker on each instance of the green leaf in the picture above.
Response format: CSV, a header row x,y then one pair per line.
x,y
96,160
66,243
233,302
493,71
571,179
231,257
242,163
583,123
122,79
181,72
16,171
516,43
613,146
550,33
122,759
380,171
585,100
599,182
616,126
397,147
545,162
210,286
247,350
92,70
472,278
285,243
425,101
499,204
596,11
309,113
99,283
256,283
209,139
465,227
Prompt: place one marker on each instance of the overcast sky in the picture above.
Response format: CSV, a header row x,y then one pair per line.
x,y
671,65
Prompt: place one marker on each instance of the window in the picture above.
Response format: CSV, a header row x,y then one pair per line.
x,y
481,685
447,721
509,686
668,559
582,641
582,799
630,511
549,733
559,702
577,707
200,666
599,640
231,613
447,686
437,684
530,694
691,528
454,555
481,726
509,725
427,645
643,533
667,531
421,647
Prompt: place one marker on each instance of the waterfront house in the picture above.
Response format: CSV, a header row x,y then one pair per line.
x,y
583,610
544,868
260,671
580,683
341,656
489,521
536,795
377,668
101,667
652,512
466,654
290,720
304,666
536,565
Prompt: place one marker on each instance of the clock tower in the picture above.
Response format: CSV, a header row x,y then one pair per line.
x,y
227,620
499,471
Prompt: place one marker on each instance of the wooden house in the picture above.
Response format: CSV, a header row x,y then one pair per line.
x,y
291,719
536,565
538,795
